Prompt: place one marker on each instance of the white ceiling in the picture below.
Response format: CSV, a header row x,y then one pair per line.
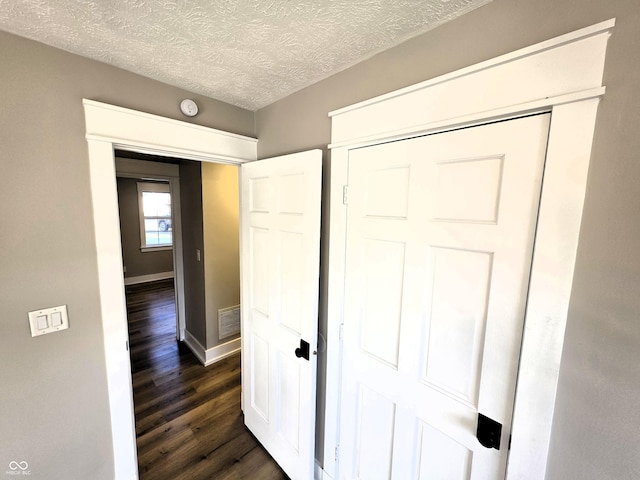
x,y
247,53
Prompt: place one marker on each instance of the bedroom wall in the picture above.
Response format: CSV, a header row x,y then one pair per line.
x,y
56,384
138,263
53,394
192,242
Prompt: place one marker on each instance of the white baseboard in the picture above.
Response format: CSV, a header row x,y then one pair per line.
x,y
214,354
148,278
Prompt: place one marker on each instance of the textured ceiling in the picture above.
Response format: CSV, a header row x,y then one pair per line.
x,y
247,53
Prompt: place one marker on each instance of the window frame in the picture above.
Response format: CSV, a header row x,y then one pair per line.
x,y
158,187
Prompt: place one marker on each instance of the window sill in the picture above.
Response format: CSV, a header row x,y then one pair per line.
x,y
156,249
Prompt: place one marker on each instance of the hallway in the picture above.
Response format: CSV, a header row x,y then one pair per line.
x,y
188,419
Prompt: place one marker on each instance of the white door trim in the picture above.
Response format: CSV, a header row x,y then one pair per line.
x,y
563,76
110,127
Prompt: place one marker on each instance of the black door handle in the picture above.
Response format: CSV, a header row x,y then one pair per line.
x,y
303,350
489,432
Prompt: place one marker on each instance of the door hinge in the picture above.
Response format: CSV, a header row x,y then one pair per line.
x,y
345,190
341,332
336,454
126,345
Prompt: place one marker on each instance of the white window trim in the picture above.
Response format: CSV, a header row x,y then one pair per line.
x,y
152,187
562,76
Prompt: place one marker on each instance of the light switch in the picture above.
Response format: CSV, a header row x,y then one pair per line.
x,y
48,320
42,322
56,319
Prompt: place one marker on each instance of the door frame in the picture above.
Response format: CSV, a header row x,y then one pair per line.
x,y
562,76
108,128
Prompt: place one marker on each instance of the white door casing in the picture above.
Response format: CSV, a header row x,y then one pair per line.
x,y
439,241
110,127
280,249
562,76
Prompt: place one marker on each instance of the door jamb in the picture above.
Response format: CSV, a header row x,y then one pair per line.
x,y
109,128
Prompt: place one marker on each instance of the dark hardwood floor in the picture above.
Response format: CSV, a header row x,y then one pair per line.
x,y
188,419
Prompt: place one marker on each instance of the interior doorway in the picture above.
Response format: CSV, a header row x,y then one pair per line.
x,y
108,128
188,418
186,414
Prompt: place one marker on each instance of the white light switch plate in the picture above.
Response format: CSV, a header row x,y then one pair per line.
x,y
48,320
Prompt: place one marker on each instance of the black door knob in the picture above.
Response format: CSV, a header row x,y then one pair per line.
x,y
489,432
303,350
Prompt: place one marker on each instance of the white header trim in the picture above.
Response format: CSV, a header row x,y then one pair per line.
x,y
508,57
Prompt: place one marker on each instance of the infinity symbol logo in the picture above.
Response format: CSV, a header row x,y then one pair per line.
x,y
18,465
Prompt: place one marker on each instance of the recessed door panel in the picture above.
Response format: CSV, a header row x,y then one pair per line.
x,y
259,192
291,279
259,269
288,371
460,281
441,457
375,435
388,180
382,309
468,190
260,376
291,197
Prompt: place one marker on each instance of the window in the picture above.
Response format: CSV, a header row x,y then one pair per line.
x,y
154,203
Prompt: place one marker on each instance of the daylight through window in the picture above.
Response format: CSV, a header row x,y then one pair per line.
x,y
154,203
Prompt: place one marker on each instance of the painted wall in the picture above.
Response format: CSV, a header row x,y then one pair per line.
x,y
138,263
596,432
210,215
192,242
221,244
53,394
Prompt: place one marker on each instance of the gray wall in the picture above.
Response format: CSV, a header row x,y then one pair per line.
x,y
138,263
53,396
192,241
53,393
596,432
210,214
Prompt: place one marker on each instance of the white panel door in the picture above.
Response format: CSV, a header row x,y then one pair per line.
x,y
280,249
440,234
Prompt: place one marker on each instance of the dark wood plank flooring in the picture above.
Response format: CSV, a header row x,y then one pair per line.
x,y
188,419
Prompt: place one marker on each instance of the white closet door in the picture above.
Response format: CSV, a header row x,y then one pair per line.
x,y
440,234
